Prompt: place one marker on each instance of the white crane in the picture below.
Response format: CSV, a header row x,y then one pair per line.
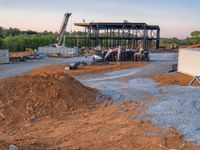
x,y
62,31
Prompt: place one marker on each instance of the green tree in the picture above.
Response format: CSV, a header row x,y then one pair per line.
x,y
12,31
1,43
21,42
1,32
195,34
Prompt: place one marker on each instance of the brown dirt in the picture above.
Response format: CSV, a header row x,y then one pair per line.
x,y
174,79
37,96
87,69
68,117
104,126
195,46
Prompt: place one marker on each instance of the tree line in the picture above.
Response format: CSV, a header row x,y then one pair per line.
x,y
194,38
14,39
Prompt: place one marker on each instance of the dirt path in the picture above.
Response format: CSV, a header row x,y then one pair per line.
x,y
88,69
20,68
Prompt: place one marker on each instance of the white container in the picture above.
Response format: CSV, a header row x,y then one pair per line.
x,y
4,56
189,61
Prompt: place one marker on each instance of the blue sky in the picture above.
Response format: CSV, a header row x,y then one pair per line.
x,y
177,18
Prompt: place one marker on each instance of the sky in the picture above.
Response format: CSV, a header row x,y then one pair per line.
x,y
176,18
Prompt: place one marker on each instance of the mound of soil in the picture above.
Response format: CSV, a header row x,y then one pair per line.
x,y
27,98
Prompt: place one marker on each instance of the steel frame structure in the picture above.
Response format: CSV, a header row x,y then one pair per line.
x,y
126,34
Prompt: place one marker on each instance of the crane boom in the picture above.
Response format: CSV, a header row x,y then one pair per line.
x,y
63,27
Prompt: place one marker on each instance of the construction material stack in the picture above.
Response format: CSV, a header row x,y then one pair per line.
x,y
4,56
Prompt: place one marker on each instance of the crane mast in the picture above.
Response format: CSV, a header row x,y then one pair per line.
x,y
62,31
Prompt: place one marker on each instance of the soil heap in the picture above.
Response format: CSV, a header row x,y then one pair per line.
x,y
26,98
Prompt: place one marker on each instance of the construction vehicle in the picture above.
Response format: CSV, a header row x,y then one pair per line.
x,y
100,56
118,54
142,55
62,31
110,51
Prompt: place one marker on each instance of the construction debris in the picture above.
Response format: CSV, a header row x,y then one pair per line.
x,y
72,66
12,147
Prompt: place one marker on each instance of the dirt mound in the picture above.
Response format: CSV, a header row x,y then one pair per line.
x,y
27,98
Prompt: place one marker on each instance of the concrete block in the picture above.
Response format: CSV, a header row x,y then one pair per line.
x,y
4,56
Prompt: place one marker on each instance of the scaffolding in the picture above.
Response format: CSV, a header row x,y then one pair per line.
x,y
126,34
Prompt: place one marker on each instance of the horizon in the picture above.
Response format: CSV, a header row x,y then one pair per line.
x,y
40,15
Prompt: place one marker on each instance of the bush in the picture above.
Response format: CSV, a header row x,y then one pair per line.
x,y
21,42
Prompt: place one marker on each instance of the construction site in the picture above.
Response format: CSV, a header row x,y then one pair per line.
x,y
121,90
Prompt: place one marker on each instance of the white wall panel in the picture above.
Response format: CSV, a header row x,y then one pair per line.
x,y
189,61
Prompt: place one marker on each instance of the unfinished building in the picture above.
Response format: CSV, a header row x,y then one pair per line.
x,y
125,34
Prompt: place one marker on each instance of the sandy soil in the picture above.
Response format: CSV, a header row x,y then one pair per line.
x,y
195,46
88,69
174,79
27,98
102,125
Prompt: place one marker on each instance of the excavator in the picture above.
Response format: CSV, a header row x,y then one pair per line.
x,y
99,54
